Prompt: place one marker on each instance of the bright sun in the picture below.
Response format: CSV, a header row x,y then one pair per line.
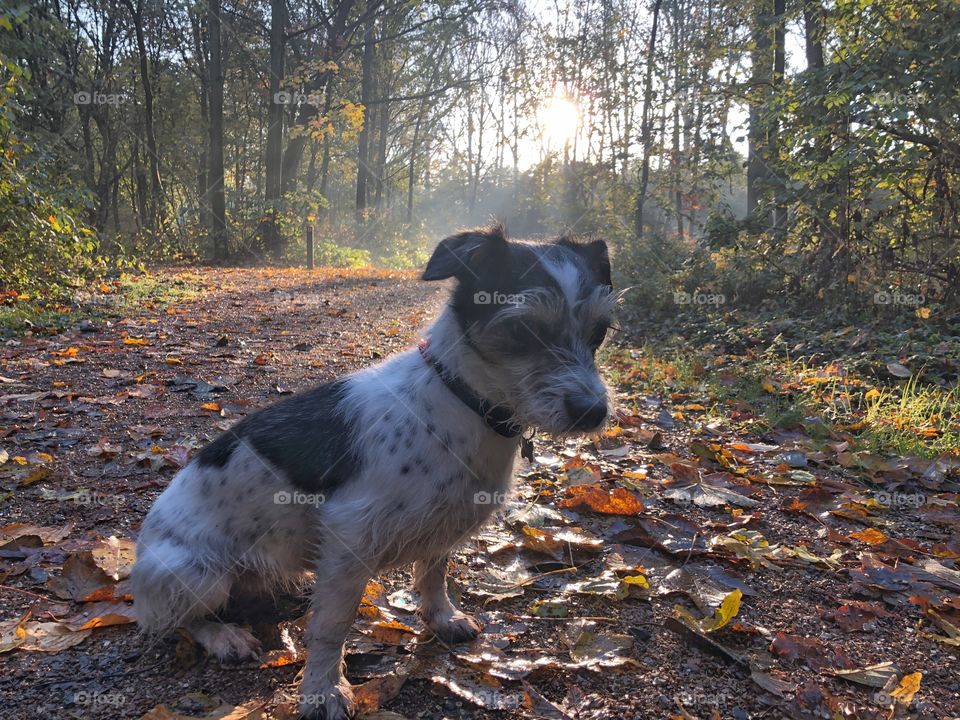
x,y
559,120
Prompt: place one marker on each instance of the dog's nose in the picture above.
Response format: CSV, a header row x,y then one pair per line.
x,y
585,413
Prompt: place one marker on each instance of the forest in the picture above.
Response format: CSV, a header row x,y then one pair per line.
x,y
806,151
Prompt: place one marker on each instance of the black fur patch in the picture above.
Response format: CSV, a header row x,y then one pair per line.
x,y
305,436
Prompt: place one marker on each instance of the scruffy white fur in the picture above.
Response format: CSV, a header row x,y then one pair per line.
x,y
431,472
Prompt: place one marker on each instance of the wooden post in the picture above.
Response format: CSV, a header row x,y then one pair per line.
x,y
309,238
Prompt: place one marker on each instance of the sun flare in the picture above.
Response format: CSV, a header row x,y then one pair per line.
x,y
559,120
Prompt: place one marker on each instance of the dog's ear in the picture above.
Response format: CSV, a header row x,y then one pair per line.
x,y
595,254
468,254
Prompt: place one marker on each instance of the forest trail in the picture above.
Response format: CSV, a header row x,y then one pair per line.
x,y
684,564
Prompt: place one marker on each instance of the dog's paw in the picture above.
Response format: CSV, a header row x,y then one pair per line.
x,y
333,703
229,643
455,628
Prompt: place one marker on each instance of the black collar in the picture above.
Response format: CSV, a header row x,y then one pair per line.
x,y
497,417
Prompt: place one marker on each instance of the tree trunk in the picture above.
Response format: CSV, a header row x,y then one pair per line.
x,y
646,121
384,126
760,84
156,187
270,229
203,79
293,154
366,95
412,169
813,33
779,67
218,210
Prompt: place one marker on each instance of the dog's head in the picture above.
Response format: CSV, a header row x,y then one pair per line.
x,y
534,314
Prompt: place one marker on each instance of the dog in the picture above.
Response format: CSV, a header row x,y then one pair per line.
x,y
397,463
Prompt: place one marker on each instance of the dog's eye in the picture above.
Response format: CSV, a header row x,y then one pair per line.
x,y
526,335
598,334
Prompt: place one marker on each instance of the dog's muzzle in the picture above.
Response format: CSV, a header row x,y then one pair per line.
x,y
585,412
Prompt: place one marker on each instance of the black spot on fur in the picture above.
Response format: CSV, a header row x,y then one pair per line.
x,y
217,453
304,435
392,449
405,469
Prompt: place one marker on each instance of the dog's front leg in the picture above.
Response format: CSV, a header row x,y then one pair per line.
x,y
325,693
438,612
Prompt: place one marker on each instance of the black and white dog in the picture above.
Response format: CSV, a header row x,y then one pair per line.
x,y
394,464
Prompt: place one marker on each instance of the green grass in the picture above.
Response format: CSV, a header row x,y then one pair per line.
x,y
912,416
138,290
25,315
113,299
893,418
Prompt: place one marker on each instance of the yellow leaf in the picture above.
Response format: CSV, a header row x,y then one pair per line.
x,y
908,688
871,536
638,580
54,223
173,361
135,341
872,394
726,612
923,313
212,406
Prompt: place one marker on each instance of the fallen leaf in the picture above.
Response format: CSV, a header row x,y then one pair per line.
x,y
873,676
115,556
51,637
12,634
596,498
871,536
898,370
909,685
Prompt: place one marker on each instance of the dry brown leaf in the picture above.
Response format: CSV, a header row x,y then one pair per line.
x,y
595,498
101,614
49,535
908,687
115,556
51,637
871,536
13,633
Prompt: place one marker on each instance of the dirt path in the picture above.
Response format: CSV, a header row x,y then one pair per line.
x,y
576,585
